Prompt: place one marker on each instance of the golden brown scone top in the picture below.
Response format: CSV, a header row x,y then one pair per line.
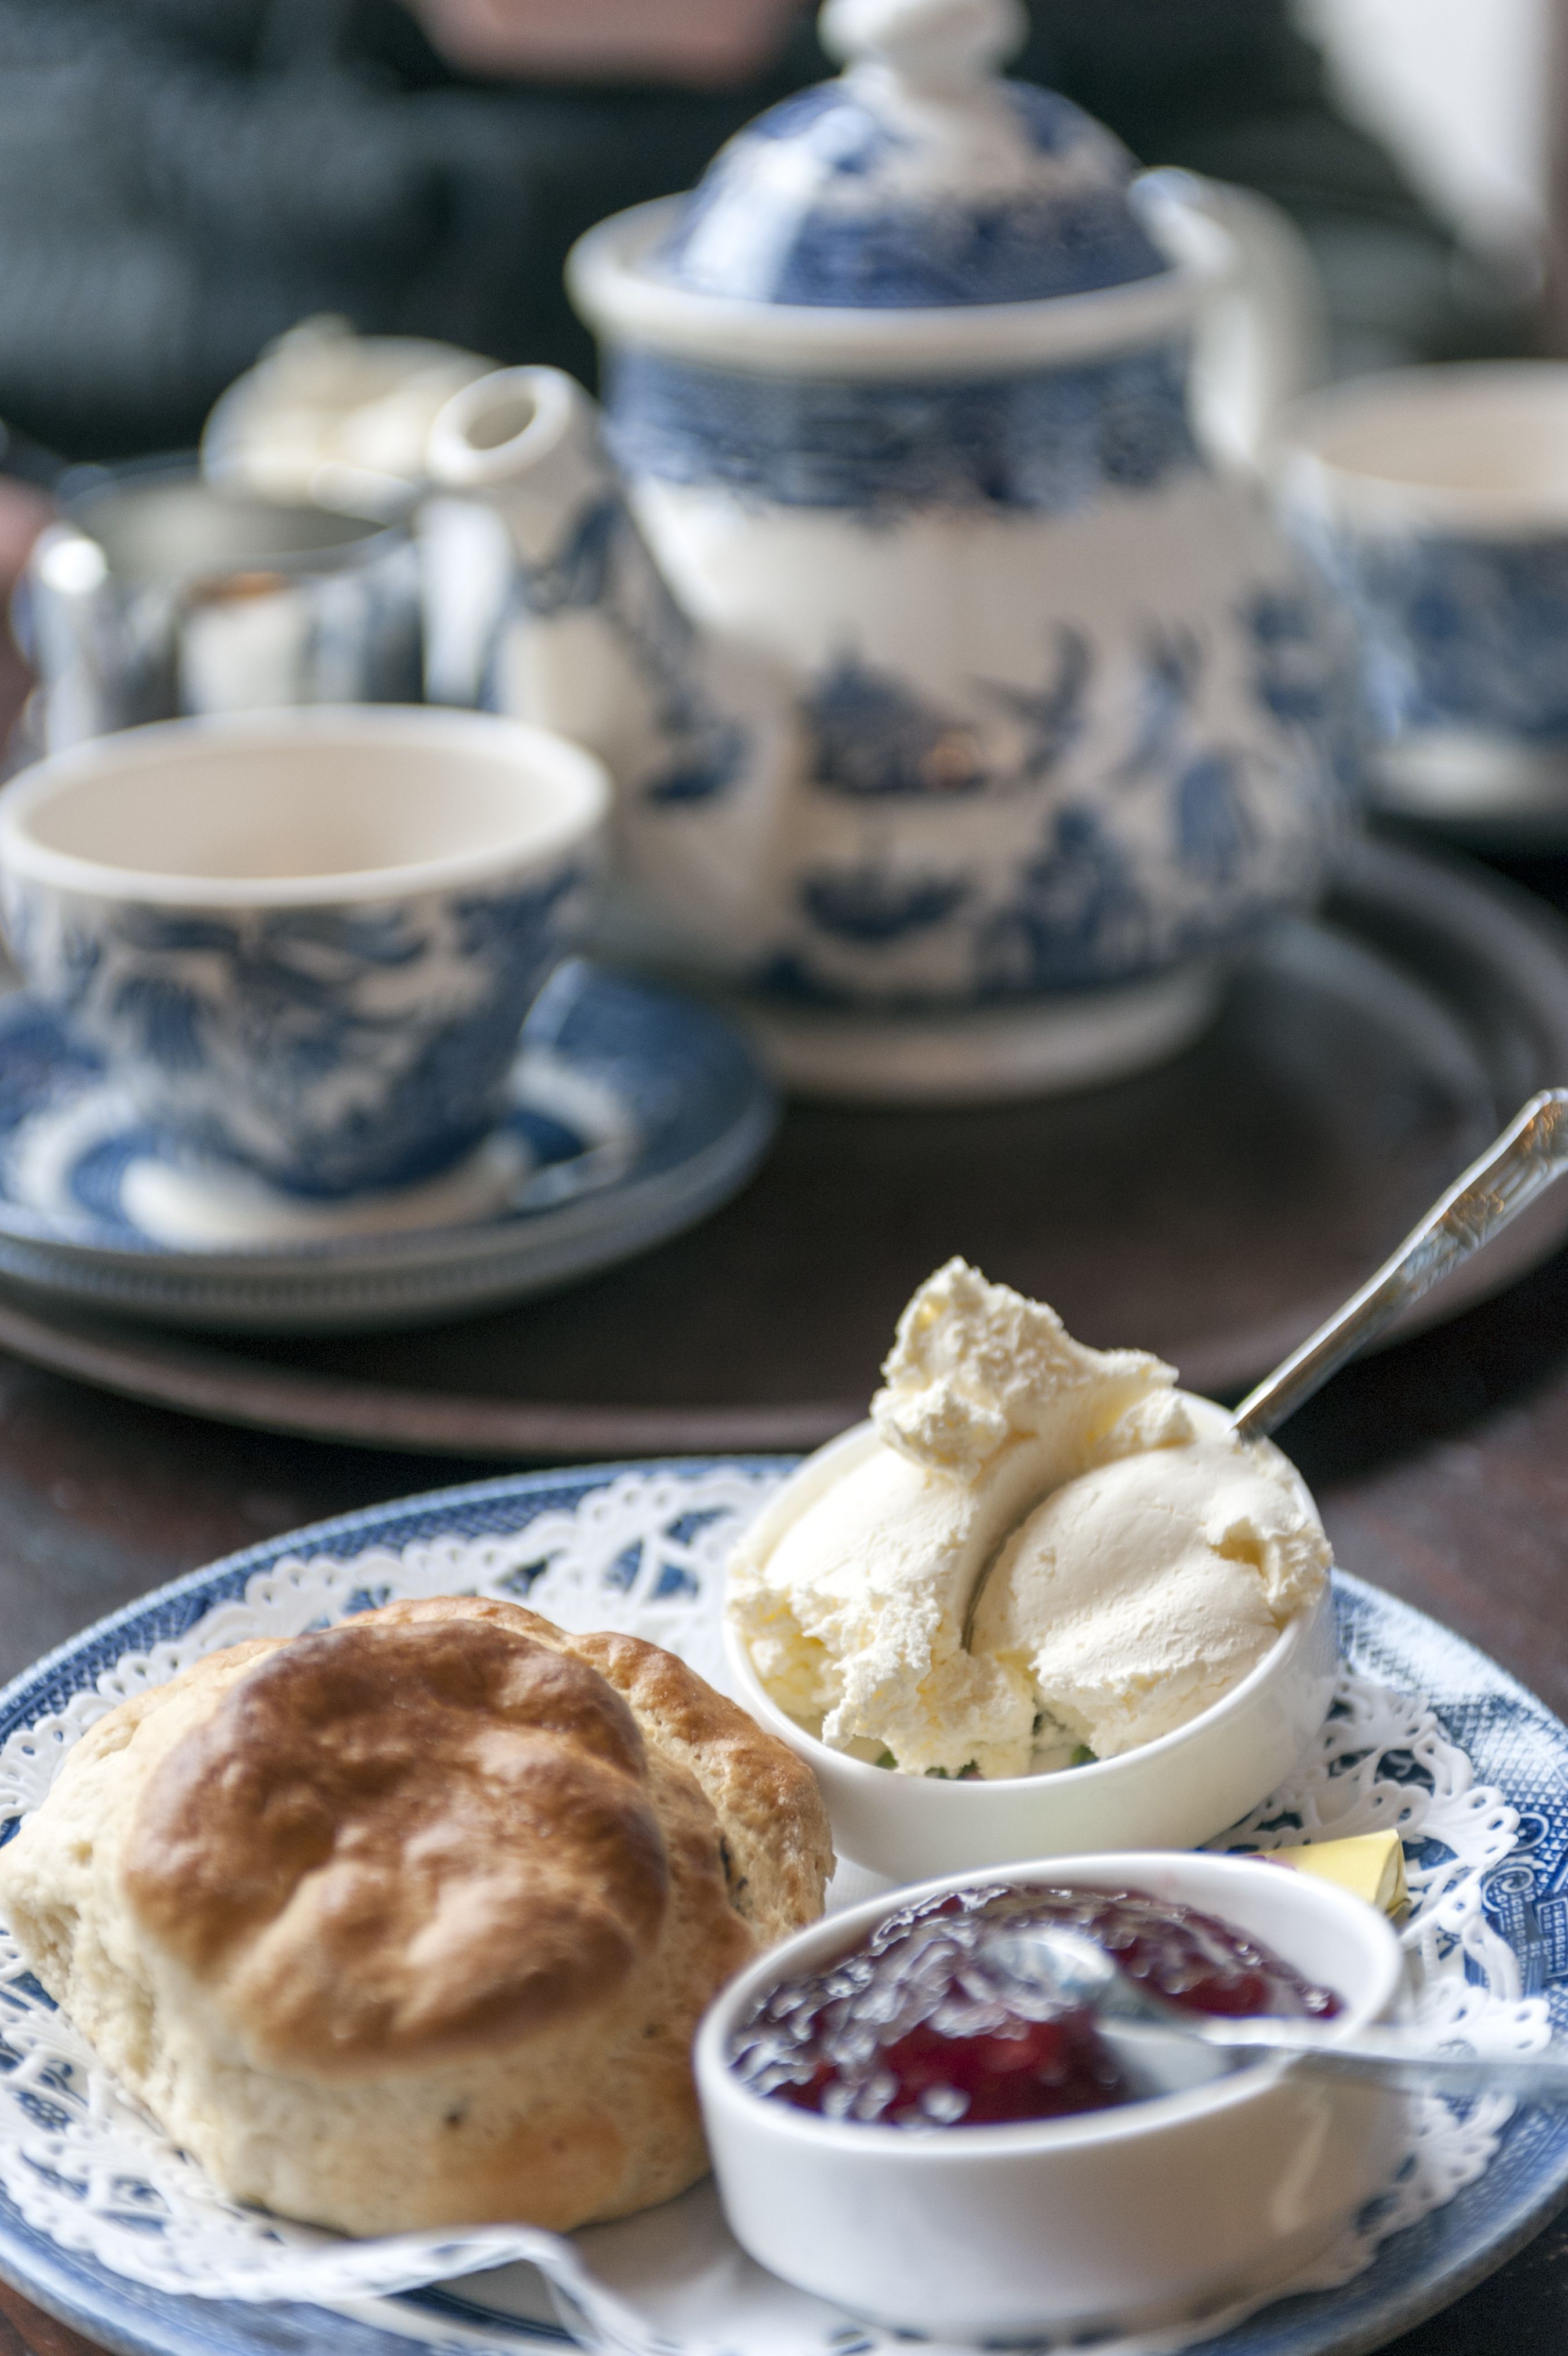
x,y
438,1830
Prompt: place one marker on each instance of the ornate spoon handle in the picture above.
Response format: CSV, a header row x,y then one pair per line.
x,y
1532,1151
1399,2061
1172,2056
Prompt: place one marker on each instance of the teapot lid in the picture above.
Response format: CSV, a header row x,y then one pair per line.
x,y
918,179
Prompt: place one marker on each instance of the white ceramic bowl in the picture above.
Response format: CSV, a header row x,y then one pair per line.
x,y
1151,2213
1173,1793
305,940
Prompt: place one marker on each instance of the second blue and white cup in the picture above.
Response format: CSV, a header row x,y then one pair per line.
x,y
1435,501
305,941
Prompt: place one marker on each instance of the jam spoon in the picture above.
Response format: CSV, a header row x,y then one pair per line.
x,y
1168,2048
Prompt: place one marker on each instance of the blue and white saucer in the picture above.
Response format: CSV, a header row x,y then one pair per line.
x,y
632,1112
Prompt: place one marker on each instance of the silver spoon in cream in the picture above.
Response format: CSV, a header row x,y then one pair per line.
x,y
1165,2048
1517,1167
1521,1165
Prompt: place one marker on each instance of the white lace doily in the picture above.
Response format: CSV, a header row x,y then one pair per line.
x,y
644,1553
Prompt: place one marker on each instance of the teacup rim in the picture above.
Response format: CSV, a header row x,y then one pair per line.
x,y
583,778
1361,498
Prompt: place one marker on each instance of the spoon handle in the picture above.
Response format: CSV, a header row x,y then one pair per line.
x,y
1530,1152
1394,2061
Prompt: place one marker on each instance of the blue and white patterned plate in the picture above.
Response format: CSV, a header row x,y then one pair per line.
x,y
633,1112
1476,1775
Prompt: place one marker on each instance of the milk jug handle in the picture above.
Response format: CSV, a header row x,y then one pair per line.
x,y
1263,327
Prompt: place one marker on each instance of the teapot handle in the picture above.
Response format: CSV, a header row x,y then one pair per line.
x,y
1262,334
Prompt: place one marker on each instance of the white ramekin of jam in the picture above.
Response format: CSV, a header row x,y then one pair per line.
x,y
878,2143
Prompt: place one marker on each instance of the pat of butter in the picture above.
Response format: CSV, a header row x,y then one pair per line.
x,y
1371,1867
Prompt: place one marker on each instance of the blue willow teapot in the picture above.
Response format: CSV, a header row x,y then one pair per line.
x,y
938,665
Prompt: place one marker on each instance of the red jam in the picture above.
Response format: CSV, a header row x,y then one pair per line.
x,y
914,2028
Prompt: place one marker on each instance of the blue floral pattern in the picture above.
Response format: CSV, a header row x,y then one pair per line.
x,y
871,737
863,774
869,904
1179,849
867,218
332,1048
1077,911
1455,632
1188,776
1050,440
601,565
628,1112
996,684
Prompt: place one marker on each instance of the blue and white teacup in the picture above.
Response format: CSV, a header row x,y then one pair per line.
x,y
1435,501
306,941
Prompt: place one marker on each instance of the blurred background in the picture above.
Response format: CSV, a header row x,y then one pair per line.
x,y
181,180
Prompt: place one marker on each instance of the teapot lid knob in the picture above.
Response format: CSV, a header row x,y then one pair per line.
x,y
926,44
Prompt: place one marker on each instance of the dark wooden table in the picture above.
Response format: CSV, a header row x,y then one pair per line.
x,y
1441,1467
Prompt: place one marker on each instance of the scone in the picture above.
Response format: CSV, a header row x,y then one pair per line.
x,y
409,1923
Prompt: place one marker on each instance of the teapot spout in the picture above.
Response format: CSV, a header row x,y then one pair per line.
x,y
543,601
565,620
